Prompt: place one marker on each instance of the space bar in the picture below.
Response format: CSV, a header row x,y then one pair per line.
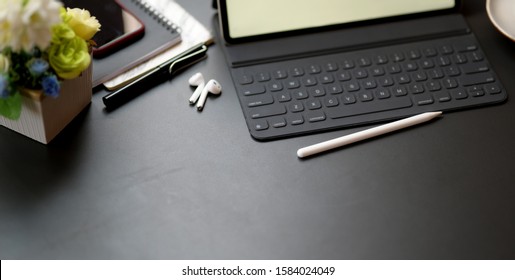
x,y
361,108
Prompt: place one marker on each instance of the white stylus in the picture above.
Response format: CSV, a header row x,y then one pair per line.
x,y
365,134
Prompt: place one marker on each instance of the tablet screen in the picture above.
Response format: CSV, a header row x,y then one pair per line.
x,y
247,18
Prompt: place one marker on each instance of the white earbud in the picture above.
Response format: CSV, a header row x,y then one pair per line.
x,y
198,81
211,87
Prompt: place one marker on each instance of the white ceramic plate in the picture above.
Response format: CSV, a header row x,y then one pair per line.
x,y
502,15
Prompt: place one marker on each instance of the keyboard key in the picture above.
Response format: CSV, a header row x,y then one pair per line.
x,y
403,78
296,71
429,52
475,91
326,78
460,58
262,77
415,88
475,56
280,74
365,96
313,104
314,69
397,57
315,116
309,81
267,111
382,93
393,68
253,89
295,119
386,81
291,84
283,96
459,94
245,79
259,125
492,89
399,91
427,63
348,99
465,47
364,61
316,91
419,76
369,84
410,66
360,73
446,49
348,64
443,61
274,86
414,54
296,106
452,71
450,83
423,99
435,74
299,94
277,122
343,76
377,71
330,67
259,100
351,86
334,89
381,59
433,86
476,79
442,96
474,68
331,101
369,107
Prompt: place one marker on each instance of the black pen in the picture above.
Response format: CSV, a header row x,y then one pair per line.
x,y
156,76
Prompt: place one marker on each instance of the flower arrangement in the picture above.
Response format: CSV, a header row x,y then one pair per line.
x,y
41,44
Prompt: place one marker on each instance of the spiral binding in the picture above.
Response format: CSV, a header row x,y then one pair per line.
x,y
159,17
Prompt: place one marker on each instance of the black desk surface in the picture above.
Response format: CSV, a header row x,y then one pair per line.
x,y
157,179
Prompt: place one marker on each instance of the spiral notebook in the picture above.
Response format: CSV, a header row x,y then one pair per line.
x,y
161,33
193,32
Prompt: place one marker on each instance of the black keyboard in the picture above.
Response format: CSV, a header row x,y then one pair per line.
x,y
306,95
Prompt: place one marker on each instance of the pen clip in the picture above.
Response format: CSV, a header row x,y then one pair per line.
x,y
192,56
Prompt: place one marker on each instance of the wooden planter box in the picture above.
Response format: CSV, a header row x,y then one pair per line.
x,y
43,118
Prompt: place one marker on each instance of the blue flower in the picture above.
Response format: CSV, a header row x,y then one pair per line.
x,y
37,66
51,86
4,84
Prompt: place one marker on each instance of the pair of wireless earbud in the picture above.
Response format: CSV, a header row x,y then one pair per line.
x,y
203,89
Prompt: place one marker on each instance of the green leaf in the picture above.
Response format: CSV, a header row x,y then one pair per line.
x,y
10,107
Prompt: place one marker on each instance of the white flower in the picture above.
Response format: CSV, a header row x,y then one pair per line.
x,y
27,25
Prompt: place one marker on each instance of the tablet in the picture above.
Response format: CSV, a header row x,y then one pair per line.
x,y
248,20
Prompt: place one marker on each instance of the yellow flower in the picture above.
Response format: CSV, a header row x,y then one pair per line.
x,y
82,23
69,58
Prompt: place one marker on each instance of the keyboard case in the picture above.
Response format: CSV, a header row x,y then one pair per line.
x,y
360,75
